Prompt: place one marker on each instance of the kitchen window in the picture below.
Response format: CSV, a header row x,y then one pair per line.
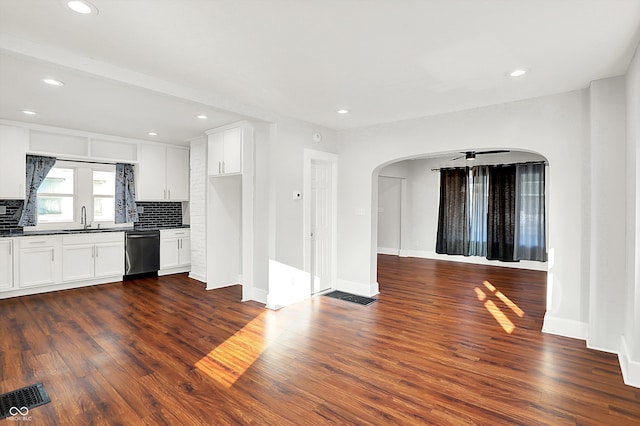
x,y
68,187
56,196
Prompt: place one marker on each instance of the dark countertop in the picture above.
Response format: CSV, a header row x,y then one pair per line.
x,y
21,233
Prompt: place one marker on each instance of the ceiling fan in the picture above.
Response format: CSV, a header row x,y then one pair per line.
x,y
471,155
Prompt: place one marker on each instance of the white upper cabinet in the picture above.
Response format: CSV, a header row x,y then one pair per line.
x,y
225,151
13,145
177,174
163,174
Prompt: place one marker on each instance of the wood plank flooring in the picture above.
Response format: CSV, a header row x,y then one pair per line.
x,y
446,343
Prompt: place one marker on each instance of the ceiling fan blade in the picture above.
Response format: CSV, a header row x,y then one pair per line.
x,y
496,151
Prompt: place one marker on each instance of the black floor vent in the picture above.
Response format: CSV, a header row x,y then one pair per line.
x,y
360,300
19,402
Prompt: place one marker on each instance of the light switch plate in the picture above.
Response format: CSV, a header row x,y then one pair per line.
x,y
3,209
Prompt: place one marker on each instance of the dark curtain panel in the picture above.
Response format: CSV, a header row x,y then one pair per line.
x,y
501,213
530,237
453,221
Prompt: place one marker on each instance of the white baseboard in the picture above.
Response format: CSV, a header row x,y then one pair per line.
x,y
565,327
630,368
388,250
198,277
60,286
177,270
476,260
257,295
361,289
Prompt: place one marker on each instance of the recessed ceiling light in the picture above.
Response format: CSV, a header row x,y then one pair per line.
x,y
343,111
83,7
152,134
517,73
53,82
201,116
28,112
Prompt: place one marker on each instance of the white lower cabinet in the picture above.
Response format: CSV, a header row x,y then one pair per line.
x,y
175,251
6,264
39,261
88,256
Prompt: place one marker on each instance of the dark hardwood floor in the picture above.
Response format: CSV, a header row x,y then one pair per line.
x,y
446,343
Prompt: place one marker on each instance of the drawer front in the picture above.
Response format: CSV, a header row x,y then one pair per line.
x,y
93,238
38,241
175,233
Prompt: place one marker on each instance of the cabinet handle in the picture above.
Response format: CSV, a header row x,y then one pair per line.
x,y
169,192
53,255
165,194
96,251
93,251
219,167
179,244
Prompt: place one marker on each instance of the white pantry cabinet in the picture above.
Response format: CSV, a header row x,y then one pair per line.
x,y
163,173
88,256
175,251
39,261
6,264
225,151
13,145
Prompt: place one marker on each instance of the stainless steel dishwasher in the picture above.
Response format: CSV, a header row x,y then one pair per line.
x,y
142,252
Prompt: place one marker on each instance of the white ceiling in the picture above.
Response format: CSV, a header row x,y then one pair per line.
x,y
142,65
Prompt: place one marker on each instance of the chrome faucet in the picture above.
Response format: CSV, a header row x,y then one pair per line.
x,y
83,217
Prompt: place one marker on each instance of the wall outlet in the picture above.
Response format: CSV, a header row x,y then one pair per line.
x,y
140,209
3,209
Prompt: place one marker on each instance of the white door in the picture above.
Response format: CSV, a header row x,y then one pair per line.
x,y
37,266
232,162
169,253
321,226
6,264
177,174
185,251
389,214
109,259
77,262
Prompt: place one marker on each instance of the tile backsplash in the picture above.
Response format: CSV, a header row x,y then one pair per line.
x,y
159,214
155,214
7,222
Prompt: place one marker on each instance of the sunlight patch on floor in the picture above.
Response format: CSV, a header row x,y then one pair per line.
x,y
229,360
497,313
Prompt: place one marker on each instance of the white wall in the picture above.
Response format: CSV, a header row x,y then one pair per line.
x,y
630,345
389,214
608,215
556,127
289,139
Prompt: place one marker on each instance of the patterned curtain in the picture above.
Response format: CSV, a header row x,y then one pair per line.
x,y
530,238
126,209
37,170
453,224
